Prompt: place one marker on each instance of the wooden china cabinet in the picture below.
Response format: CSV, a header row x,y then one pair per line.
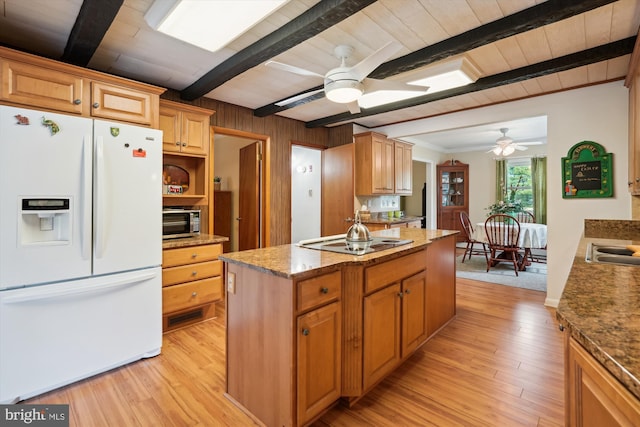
x,y
453,195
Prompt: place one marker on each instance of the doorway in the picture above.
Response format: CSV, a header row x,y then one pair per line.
x,y
243,176
306,192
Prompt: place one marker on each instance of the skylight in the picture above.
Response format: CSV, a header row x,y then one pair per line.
x,y
210,24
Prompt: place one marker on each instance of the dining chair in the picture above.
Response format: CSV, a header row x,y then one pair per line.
x,y
525,216
503,232
469,232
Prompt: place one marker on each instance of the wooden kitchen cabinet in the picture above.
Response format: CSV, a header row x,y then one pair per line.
x,y
284,359
394,319
318,360
374,164
633,81
403,168
186,136
191,283
594,397
119,103
453,195
185,128
45,84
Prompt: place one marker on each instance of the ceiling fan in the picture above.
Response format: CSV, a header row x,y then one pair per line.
x,y
505,145
344,84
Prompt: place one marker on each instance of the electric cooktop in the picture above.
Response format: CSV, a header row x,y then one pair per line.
x,y
340,245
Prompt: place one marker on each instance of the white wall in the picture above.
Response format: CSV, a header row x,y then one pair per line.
x,y
596,113
306,184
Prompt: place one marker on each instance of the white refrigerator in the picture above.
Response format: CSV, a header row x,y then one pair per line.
x,y
80,248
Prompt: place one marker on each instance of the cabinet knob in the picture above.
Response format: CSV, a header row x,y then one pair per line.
x,y
194,294
184,144
324,290
305,332
194,255
194,273
561,327
77,101
178,143
96,105
408,291
400,294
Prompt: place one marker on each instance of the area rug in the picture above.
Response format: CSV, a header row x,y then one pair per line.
x,y
534,278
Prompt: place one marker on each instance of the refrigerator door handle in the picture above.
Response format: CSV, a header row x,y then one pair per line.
x,y
57,292
85,208
98,213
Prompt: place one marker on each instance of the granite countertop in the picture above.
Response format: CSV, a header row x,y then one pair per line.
x,y
202,239
600,304
294,261
404,219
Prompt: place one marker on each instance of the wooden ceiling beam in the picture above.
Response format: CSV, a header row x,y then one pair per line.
x,y
323,15
93,21
556,65
536,16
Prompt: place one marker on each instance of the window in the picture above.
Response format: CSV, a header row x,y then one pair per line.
x,y
519,182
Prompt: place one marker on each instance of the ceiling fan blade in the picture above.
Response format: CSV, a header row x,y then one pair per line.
x,y
292,69
297,97
372,85
354,108
519,147
371,62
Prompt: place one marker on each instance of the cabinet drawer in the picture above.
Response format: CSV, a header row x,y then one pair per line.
x,y
181,256
191,272
318,290
181,297
36,86
389,272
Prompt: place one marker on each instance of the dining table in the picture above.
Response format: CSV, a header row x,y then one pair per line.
x,y
532,236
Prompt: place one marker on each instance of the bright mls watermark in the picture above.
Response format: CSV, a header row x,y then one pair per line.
x,y
34,415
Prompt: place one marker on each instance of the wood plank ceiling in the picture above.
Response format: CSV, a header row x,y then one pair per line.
x,y
523,48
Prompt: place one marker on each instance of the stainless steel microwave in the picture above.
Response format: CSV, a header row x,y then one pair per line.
x,y
177,223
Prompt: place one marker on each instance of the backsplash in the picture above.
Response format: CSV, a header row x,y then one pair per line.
x,y
379,203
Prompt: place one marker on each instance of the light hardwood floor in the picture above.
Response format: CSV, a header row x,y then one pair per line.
x,y
498,363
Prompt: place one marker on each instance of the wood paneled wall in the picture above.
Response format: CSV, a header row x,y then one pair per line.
x,y
282,131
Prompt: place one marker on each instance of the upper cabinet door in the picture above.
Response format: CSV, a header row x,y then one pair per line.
x,y
374,164
40,87
122,103
403,167
185,128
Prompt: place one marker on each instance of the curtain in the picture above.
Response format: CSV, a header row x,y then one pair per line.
x,y
539,184
501,179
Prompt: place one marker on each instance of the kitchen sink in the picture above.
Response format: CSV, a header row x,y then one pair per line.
x,y
607,254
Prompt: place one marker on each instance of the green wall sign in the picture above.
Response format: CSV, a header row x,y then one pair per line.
x,y
587,171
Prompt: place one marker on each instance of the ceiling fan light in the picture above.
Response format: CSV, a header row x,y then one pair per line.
x,y
508,150
497,151
343,91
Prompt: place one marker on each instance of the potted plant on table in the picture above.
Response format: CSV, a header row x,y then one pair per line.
x,y
510,206
217,181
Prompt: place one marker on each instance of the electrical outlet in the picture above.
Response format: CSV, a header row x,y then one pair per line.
x,y
231,283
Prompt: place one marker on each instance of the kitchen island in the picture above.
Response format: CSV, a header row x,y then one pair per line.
x,y
600,313
307,329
